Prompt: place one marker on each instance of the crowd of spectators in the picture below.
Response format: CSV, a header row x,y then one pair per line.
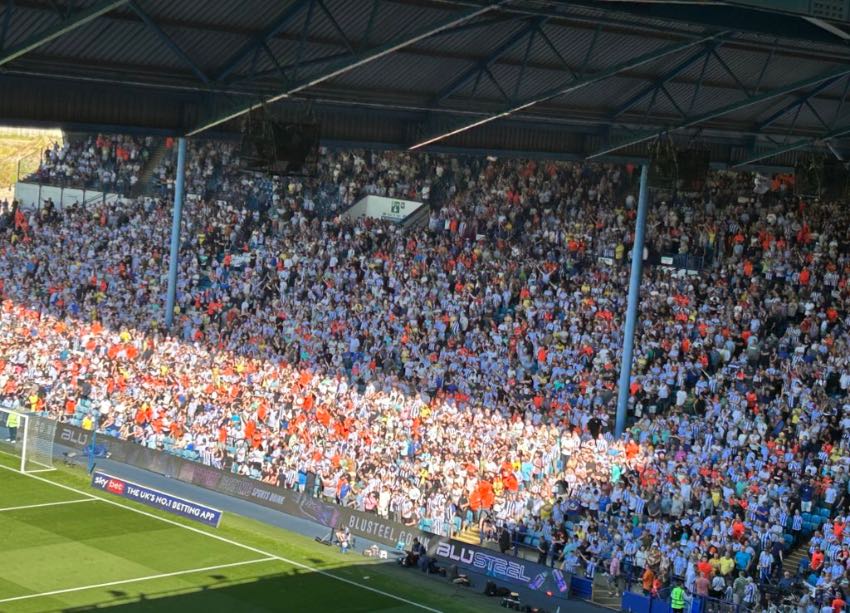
x,y
105,162
342,178
464,373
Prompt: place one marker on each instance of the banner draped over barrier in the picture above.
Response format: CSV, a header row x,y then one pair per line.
x,y
502,568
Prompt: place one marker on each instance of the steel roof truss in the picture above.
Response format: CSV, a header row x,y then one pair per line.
x,y
665,78
166,39
794,104
729,71
474,71
589,55
72,22
571,86
274,28
839,72
7,17
798,144
335,24
349,63
840,104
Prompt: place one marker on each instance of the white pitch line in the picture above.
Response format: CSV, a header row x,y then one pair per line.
x,y
45,504
229,541
136,580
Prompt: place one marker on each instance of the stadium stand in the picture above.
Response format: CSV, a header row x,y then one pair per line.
x,y
108,162
460,376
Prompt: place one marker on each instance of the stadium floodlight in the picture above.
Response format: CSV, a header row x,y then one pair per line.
x,y
28,439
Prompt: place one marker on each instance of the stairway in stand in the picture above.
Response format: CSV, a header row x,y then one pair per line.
x,y
603,595
143,185
471,536
791,561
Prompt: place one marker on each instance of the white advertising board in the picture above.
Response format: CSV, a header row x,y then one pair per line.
x,y
32,195
381,207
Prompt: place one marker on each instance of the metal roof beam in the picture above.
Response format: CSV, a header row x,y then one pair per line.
x,y
709,15
817,115
800,144
46,35
792,105
7,17
670,74
512,41
302,42
279,23
730,72
165,38
323,7
350,63
573,85
725,110
483,23
325,59
840,104
558,54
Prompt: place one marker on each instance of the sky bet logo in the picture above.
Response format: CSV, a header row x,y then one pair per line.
x,y
114,486
489,564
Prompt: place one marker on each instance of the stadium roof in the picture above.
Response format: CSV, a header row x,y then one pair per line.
x,y
754,81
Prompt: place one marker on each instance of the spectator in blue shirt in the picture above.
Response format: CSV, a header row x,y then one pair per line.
x,y
743,559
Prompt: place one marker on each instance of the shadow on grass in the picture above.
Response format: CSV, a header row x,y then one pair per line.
x,y
300,590
293,590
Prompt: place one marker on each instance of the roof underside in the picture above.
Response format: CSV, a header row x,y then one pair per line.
x,y
574,79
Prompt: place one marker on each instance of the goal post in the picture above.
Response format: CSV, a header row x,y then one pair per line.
x,y
26,441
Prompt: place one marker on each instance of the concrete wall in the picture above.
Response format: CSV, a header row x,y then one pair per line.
x,y
32,195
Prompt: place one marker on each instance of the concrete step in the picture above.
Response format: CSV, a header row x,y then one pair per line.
x,y
419,219
143,185
602,595
791,561
466,537
471,535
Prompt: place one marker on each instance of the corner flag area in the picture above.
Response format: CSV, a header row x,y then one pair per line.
x,y
67,548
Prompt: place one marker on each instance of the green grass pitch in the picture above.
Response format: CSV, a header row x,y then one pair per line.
x,y
65,547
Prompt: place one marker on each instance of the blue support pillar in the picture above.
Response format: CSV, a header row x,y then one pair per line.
x,y
632,309
175,232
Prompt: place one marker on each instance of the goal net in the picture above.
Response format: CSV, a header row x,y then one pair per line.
x,y
26,441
